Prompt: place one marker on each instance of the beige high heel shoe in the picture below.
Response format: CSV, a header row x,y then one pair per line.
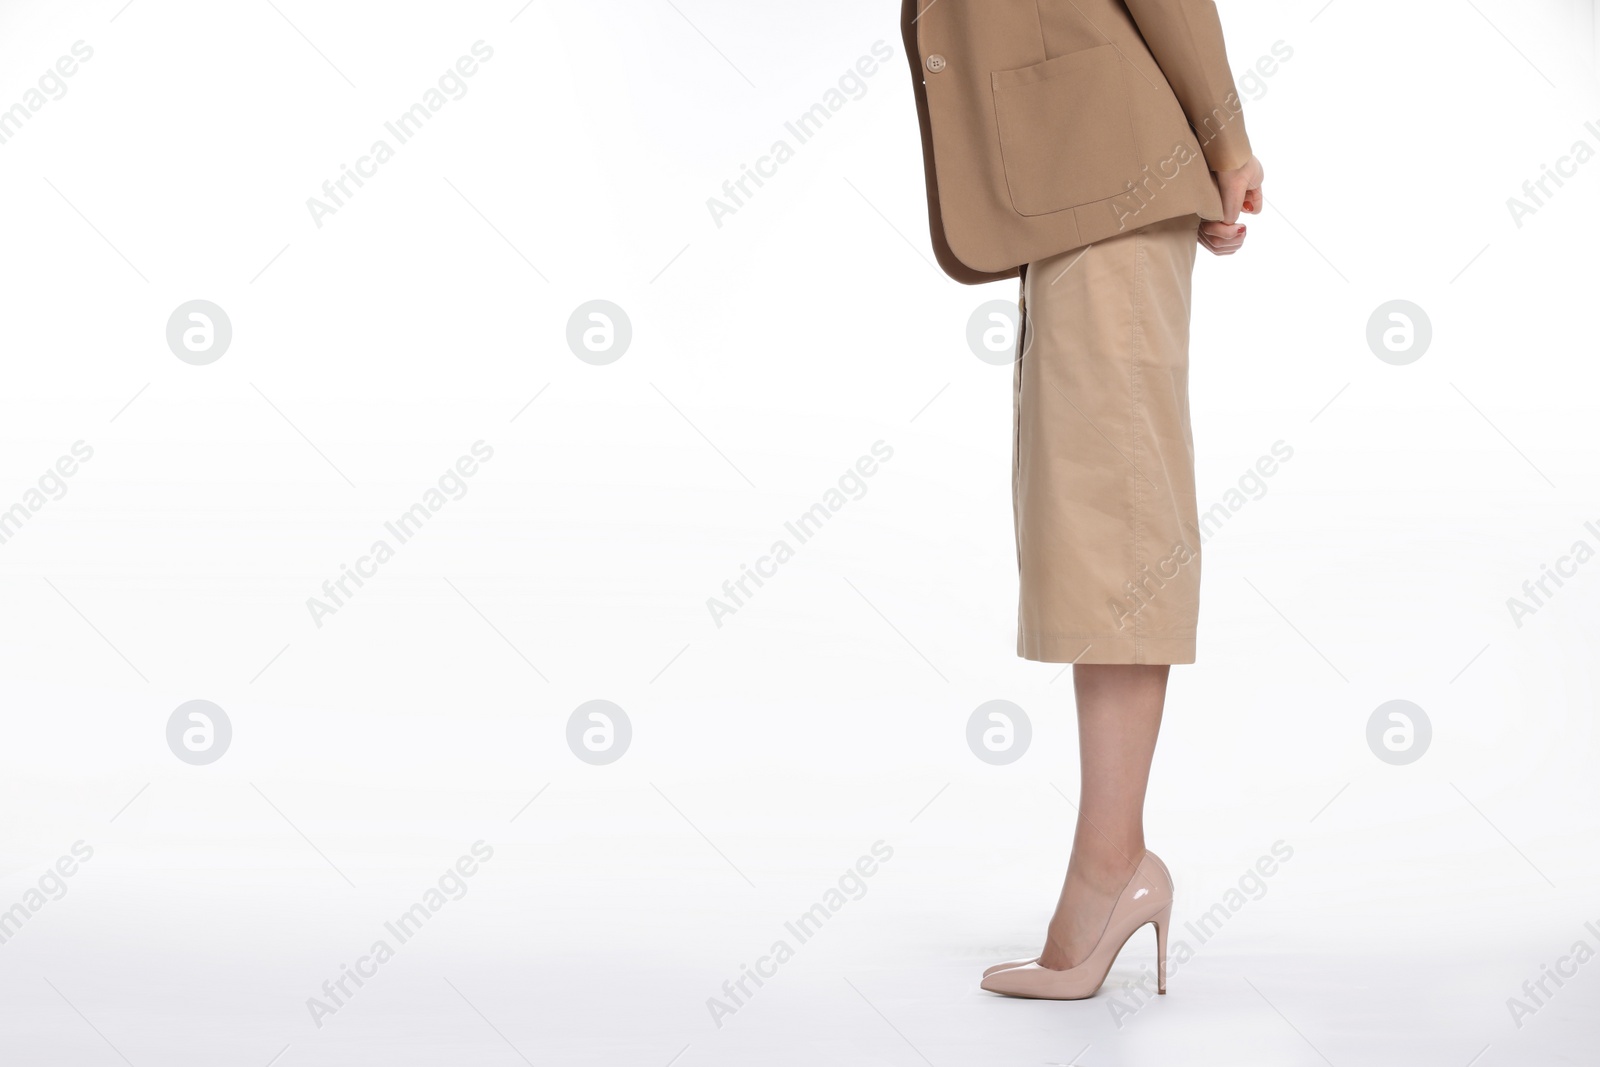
x,y
1147,898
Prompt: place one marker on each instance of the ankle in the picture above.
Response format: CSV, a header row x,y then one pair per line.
x,y
1105,866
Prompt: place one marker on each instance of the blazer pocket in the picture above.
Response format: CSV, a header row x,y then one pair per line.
x,y
1066,131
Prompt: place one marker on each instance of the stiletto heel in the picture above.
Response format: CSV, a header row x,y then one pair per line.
x,y
1147,898
1161,922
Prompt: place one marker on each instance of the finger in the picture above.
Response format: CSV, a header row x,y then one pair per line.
x,y
1222,246
1222,231
1232,201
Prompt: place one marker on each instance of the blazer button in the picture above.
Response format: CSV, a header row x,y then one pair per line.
x,y
936,63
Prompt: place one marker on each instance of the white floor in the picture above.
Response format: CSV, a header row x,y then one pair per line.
x,y
1371,944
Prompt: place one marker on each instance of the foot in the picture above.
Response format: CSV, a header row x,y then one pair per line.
x,y
1095,879
1145,897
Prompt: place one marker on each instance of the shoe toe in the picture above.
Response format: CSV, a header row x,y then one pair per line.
x,y
987,971
1011,981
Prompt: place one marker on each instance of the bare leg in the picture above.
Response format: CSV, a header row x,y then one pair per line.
x,y
1119,715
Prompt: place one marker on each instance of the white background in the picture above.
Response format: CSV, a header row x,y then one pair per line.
x,y
829,713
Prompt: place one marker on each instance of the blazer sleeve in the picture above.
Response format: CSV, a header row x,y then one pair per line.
x,y
1185,36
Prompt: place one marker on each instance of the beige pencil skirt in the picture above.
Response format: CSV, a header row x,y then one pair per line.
x,y
1108,547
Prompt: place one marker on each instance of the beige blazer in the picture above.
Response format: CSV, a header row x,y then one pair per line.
x,y
1048,125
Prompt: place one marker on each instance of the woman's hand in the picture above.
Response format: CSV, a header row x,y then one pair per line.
x,y
1241,193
